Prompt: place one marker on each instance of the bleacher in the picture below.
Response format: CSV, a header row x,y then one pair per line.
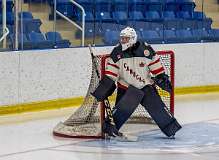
x,y
30,35
156,21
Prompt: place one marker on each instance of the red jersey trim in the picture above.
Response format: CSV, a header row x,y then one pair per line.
x,y
111,73
154,62
113,65
122,86
159,70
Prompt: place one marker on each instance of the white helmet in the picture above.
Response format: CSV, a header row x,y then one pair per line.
x,y
128,32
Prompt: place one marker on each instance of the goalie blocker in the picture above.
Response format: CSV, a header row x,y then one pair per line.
x,y
147,97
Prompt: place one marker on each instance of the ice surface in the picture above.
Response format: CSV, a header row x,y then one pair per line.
x,y
197,140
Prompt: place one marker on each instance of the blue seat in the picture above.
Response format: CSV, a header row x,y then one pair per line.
x,y
141,25
203,24
111,37
120,5
151,36
184,15
87,4
105,27
187,24
57,40
171,5
154,5
199,15
84,1
23,42
120,17
152,16
9,5
66,9
214,34
103,6
157,26
186,5
119,1
101,1
169,1
10,18
39,41
171,24
201,21
89,17
25,15
91,30
185,36
137,7
202,35
169,36
104,17
136,16
136,1
30,25
169,15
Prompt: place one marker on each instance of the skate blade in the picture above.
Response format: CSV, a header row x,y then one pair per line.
x,y
125,138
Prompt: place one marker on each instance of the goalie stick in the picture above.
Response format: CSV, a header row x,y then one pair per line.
x,y
119,136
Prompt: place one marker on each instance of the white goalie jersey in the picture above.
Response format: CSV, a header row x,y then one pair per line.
x,y
134,71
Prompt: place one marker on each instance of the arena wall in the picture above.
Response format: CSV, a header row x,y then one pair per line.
x,y
42,75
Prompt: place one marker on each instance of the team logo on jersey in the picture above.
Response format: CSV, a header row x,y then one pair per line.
x,y
141,64
146,52
119,56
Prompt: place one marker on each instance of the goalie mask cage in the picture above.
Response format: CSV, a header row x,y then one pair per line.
x,y
86,121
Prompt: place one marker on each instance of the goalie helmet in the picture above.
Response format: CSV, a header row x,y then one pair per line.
x,y
131,34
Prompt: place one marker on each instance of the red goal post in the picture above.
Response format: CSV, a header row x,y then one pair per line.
x,y
86,121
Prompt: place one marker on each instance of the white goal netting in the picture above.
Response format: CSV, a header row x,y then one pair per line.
x,y
87,119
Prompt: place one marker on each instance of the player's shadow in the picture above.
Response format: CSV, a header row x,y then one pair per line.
x,y
190,136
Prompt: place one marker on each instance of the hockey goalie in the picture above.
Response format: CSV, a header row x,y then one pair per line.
x,y
135,67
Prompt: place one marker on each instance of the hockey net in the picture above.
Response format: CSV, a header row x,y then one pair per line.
x,y
86,121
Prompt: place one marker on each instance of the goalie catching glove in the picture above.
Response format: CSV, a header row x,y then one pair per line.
x,y
162,80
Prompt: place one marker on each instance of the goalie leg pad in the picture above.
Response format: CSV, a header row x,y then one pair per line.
x,y
171,128
120,94
127,105
105,88
158,111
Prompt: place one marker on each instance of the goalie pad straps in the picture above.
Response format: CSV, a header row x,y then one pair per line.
x,y
105,89
127,105
158,111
